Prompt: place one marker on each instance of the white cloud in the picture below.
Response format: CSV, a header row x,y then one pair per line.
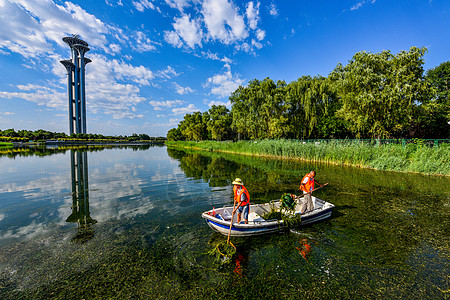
x,y
256,44
173,122
218,21
215,56
173,38
252,13
178,4
123,71
41,95
223,21
104,92
182,90
185,110
143,43
273,9
224,84
115,49
187,30
260,34
142,5
361,3
244,47
28,27
114,3
168,73
167,103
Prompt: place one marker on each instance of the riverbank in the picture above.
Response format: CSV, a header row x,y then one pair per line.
x,y
6,145
413,157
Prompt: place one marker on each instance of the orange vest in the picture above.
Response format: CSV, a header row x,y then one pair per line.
x,y
309,186
247,196
235,193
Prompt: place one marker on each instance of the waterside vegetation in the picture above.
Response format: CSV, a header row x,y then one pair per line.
x,y
42,136
415,156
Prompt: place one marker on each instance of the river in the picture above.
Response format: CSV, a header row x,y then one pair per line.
x,y
125,222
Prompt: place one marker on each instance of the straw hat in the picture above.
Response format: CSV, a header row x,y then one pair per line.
x,y
238,181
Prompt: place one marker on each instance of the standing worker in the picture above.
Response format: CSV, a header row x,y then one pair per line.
x,y
307,186
242,199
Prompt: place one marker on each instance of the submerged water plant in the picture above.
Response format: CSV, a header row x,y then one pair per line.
x,y
223,252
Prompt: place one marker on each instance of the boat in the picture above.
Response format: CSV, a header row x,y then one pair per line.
x,y
219,219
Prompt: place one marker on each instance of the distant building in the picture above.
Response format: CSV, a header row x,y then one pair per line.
x,y
76,83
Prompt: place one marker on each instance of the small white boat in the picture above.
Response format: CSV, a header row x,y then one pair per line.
x,y
257,225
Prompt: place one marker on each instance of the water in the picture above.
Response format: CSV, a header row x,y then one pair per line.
x,y
125,223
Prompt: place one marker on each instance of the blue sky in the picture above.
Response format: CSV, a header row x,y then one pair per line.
x,y
153,61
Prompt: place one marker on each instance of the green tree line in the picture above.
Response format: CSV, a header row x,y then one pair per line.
x,y
44,135
376,95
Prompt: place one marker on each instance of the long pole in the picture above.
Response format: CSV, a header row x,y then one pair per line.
x,y
231,223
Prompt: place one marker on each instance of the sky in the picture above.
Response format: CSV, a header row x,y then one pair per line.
x,y
153,61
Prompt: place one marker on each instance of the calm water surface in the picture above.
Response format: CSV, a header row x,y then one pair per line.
x,y
125,223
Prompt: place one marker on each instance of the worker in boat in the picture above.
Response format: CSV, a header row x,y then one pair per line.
x,y
307,186
242,200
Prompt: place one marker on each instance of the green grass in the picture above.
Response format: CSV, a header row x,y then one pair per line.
x,y
393,157
6,145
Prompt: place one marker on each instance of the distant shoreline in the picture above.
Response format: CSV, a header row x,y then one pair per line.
x,y
88,143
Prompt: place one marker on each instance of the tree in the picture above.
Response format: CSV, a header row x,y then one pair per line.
x,y
193,128
144,137
256,109
434,119
311,102
219,123
10,133
439,79
175,134
380,92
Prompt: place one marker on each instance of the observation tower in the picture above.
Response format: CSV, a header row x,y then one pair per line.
x,y
76,83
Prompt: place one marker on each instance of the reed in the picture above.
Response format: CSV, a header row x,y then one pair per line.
x,y
414,157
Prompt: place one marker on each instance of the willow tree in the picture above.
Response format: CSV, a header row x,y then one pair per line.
x,y
277,110
250,109
308,102
380,92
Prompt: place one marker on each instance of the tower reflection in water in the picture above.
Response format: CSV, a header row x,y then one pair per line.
x,y
80,197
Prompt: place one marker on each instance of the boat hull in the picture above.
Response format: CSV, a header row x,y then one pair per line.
x,y
220,220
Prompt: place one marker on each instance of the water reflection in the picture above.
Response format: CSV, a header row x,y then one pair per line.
x,y
80,197
47,190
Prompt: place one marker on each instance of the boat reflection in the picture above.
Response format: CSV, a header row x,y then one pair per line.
x,y
80,197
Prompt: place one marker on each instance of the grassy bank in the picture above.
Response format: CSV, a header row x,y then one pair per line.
x,y
413,157
6,145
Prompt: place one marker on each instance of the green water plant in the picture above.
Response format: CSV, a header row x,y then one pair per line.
x,y
223,252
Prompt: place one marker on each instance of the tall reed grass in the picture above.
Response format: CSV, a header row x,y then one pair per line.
x,y
396,157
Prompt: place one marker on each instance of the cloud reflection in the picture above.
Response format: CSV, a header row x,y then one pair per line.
x,y
122,185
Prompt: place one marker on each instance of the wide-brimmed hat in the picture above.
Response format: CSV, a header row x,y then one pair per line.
x,y
238,181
